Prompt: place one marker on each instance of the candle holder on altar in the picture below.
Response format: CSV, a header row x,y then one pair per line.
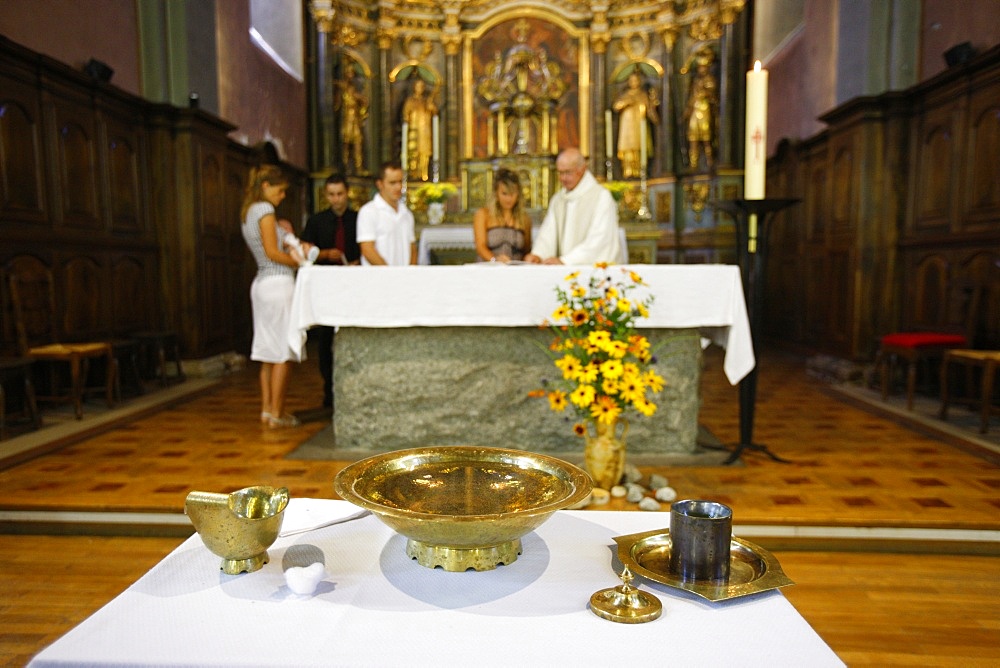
x,y
751,219
643,212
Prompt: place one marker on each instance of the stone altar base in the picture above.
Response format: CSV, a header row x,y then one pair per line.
x,y
418,386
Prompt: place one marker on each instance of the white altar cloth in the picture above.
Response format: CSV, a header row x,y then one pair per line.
x,y
376,607
708,297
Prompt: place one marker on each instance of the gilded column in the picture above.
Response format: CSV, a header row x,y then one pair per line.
x,y
451,39
326,142
385,135
733,58
600,36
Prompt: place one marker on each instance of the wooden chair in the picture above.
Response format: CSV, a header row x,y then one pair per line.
x,y
16,371
988,362
32,298
921,347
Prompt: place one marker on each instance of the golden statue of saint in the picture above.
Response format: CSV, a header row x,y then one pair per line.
x,y
637,107
419,110
353,108
702,109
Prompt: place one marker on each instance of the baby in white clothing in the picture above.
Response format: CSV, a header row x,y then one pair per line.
x,y
304,254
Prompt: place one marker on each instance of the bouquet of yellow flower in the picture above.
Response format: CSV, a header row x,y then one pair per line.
x,y
604,362
435,192
618,189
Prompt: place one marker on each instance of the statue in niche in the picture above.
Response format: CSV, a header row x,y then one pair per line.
x,y
702,108
419,110
637,109
353,107
522,87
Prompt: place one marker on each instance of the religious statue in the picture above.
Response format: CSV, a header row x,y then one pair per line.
x,y
702,108
523,88
637,107
353,107
419,110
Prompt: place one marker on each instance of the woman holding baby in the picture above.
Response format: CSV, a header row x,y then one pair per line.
x,y
271,290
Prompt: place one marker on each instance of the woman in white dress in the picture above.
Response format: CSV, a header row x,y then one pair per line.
x,y
270,292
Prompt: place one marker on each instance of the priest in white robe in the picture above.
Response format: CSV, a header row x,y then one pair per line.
x,y
581,225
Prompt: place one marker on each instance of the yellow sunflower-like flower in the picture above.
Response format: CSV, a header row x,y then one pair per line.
x,y
612,369
588,374
624,305
605,410
616,349
557,400
571,277
561,313
632,389
609,386
577,290
599,338
580,429
645,407
569,365
653,380
580,317
583,396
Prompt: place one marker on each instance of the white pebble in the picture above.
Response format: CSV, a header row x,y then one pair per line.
x,y
656,481
666,494
599,497
632,473
635,493
618,491
648,504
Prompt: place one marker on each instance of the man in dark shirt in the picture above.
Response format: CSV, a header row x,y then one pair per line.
x,y
334,232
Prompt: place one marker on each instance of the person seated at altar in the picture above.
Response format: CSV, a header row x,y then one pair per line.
x,y
385,225
581,225
502,228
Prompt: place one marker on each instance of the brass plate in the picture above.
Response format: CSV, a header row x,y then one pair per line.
x,y
752,569
463,506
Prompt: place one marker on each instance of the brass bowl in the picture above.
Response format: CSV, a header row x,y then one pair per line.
x,y
462,507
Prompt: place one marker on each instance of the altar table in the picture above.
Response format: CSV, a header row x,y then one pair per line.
x,y
447,355
708,297
376,607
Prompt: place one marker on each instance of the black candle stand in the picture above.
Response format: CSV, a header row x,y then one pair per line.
x,y
751,253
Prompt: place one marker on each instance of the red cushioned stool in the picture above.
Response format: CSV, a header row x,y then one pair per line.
x,y
914,347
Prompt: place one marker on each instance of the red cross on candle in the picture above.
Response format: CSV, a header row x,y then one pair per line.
x,y
757,138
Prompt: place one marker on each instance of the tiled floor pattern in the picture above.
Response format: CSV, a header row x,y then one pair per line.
x,y
849,467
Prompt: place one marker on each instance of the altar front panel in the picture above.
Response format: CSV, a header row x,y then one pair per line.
x,y
448,355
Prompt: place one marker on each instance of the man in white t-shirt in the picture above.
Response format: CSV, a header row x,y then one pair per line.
x,y
385,225
581,226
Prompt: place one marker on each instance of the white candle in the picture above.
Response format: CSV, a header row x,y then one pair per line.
x,y
608,145
435,140
642,138
402,147
756,133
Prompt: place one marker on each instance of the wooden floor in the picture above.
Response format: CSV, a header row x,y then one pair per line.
x,y
832,515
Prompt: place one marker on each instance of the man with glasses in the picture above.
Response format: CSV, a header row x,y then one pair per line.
x,y
581,225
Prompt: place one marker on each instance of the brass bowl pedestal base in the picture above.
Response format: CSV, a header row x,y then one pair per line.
x,y
248,565
459,559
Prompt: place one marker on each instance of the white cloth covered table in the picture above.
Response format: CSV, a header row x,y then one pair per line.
x,y
705,296
376,607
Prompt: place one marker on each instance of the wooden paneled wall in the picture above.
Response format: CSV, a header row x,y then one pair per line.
x,y
900,213
134,206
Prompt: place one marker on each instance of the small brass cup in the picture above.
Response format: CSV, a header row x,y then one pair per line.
x,y
239,527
